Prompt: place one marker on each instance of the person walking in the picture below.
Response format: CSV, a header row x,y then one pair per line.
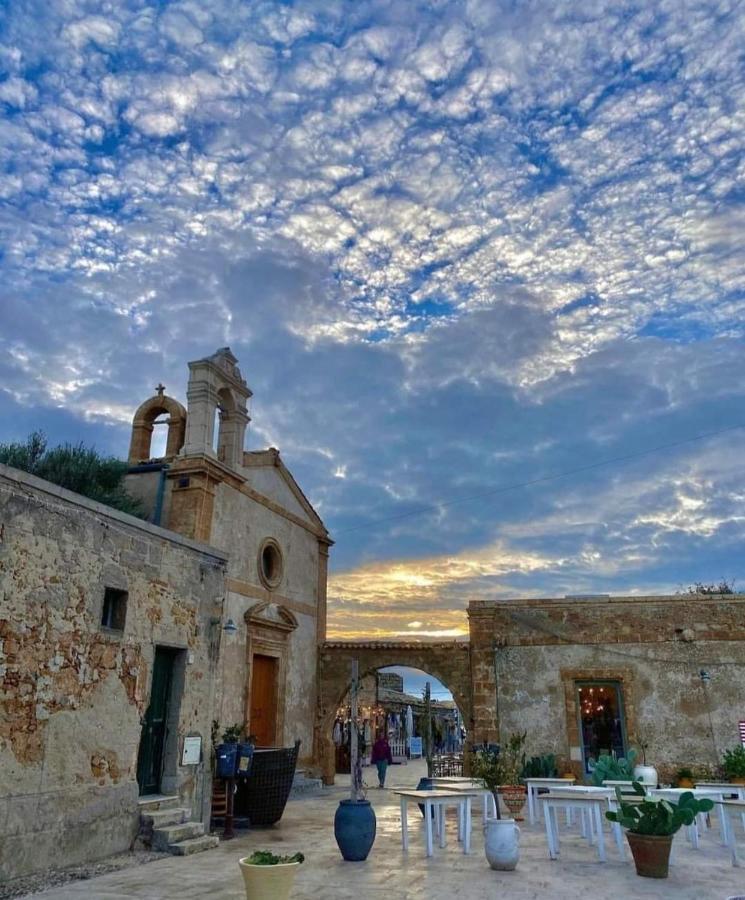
x,y
382,757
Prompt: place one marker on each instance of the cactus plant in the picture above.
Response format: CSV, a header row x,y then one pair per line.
x,y
611,768
543,766
657,817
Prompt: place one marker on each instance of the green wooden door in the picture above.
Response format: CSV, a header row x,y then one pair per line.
x,y
154,726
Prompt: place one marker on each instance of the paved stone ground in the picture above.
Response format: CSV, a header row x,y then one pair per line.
x,y
389,874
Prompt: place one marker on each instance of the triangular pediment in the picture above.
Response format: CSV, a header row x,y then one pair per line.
x,y
271,615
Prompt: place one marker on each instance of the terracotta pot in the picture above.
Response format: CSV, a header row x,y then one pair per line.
x,y
651,853
514,799
569,775
685,782
268,882
737,781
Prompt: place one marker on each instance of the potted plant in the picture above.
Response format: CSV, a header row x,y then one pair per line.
x,y
269,877
500,835
684,778
643,773
513,763
613,768
733,763
650,826
541,767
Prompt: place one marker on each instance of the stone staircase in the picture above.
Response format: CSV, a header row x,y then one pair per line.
x,y
165,826
304,784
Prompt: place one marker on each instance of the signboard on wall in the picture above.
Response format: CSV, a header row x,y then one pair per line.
x,y
742,733
415,747
192,751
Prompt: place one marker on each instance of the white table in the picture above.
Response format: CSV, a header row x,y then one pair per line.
x,y
727,806
436,801
488,803
591,803
534,784
672,795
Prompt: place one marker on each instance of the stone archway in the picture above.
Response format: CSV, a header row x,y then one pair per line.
x,y
449,662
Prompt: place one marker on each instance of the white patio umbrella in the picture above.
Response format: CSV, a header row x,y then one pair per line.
x,y
409,722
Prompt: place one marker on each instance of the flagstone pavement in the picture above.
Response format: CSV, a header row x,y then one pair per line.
x,y
391,874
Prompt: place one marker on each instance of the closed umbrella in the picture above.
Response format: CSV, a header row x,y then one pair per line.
x,y
409,722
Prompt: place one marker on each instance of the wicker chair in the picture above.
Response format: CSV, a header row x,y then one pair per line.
x,y
263,795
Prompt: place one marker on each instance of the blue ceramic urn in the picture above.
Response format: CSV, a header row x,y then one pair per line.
x,y
354,829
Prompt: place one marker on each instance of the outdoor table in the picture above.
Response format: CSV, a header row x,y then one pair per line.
x,y
672,795
736,791
591,802
727,806
626,787
437,800
534,784
486,795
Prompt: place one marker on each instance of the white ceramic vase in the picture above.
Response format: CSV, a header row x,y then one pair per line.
x,y
501,837
646,775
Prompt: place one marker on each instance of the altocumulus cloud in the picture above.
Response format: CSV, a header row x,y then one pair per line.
x,y
455,247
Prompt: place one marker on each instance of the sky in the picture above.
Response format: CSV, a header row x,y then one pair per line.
x,y
459,248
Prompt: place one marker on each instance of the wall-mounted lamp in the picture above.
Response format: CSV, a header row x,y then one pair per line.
x,y
705,677
230,627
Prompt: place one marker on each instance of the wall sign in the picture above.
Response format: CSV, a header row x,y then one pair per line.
x,y
192,753
742,733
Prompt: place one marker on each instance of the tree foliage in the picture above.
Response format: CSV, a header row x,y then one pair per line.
x,y
75,467
723,587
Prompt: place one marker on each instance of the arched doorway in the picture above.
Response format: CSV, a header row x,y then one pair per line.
x,y
447,665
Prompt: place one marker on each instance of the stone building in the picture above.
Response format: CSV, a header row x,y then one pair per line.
x,y
106,623
586,676
123,640
247,504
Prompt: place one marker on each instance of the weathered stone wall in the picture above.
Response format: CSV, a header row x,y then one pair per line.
x,y
528,654
72,693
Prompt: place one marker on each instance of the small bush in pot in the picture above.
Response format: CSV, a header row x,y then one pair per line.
x,y
684,777
543,766
650,826
733,763
267,876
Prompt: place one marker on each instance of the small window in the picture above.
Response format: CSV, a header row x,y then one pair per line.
x,y
114,612
270,563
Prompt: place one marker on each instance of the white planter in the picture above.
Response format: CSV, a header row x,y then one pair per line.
x,y
501,838
268,882
646,775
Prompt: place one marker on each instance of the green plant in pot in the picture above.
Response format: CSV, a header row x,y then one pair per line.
x,y
684,777
501,836
651,824
733,763
513,763
267,876
613,768
543,766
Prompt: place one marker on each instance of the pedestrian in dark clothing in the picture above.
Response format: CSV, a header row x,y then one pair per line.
x,y
382,757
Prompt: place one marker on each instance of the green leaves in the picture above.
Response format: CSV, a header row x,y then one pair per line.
x,y
611,768
267,858
734,762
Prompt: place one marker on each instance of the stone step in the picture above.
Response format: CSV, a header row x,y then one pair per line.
x,y
164,838
154,802
305,786
194,845
160,818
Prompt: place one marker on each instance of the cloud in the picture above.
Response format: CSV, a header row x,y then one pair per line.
x,y
455,248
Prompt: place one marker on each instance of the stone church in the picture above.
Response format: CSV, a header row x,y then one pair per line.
x,y
247,504
123,641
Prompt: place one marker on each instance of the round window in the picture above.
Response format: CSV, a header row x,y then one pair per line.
x,y
270,563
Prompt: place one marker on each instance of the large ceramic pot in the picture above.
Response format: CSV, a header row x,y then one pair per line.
x,y
514,799
646,775
651,853
501,843
268,882
425,784
354,829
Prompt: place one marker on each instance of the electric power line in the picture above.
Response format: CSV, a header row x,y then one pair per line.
x,y
434,507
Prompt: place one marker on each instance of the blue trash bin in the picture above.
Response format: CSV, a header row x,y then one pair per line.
x,y
227,755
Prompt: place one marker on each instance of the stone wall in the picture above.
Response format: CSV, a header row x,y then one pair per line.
x,y
72,693
527,656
